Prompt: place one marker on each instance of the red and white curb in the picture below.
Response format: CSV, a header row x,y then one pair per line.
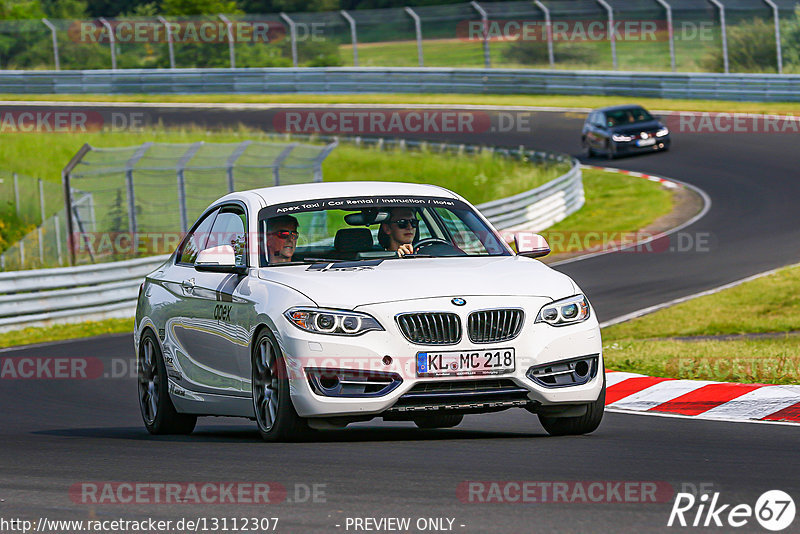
x,y
671,184
701,399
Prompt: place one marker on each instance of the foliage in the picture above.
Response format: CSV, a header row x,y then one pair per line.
x,y
751,48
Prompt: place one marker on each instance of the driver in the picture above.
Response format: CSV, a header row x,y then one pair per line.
x,y
397,234
281,238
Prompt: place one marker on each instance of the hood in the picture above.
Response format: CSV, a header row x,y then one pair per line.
x,y
637,127
358,283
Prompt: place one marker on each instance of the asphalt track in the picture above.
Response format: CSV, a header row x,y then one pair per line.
x,y
59,433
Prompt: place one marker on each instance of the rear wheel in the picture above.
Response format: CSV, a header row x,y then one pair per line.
x,y
276,417
158,412
438,421
584,424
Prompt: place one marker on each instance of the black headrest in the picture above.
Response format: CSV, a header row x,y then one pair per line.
x,y
353,240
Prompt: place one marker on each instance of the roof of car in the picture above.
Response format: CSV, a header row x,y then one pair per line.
x,y
292,193
619,108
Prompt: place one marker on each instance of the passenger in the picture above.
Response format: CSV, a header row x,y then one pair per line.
x,y
397,234
281,238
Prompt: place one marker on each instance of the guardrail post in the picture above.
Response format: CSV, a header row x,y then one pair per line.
x,y
724,29
353,35
65,182
170,44
55,42
231,45
548,27
232,161
776,17
487,60
292,36
418,31
193,148
112,41
670,33
612,34
41,224
16,195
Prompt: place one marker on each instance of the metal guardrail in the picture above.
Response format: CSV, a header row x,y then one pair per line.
x,y
754,87
100,291
89,292
538,208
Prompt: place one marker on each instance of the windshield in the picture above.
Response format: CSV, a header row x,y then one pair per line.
x,y
370,228
620,117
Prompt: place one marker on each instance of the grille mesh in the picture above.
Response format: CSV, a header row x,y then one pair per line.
x,y
430,328
490,326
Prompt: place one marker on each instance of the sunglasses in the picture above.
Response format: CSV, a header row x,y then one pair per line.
x,y
403,223
285,234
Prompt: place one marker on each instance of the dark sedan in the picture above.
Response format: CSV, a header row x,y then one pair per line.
x,y
619,130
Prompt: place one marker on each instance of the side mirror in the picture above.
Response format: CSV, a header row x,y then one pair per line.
x,y
219,259
531,245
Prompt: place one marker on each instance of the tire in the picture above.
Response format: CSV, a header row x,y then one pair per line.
x,y
575,426
158,412
439,421
275,415
587,149
610,152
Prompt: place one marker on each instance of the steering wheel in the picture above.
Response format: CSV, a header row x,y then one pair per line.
x,y
438,246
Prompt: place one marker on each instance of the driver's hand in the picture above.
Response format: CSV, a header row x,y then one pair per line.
x,y
404,249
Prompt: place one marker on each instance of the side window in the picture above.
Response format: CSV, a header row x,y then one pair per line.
x,y
196,240
230,228
592,120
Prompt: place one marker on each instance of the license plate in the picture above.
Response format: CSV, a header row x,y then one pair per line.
x,y
646,142
468,362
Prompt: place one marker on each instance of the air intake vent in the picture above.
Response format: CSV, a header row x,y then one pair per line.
x,y
490,326
430,328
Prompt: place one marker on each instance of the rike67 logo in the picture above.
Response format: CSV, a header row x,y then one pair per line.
x,y
774,510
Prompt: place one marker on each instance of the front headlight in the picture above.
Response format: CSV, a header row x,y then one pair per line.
x,y
333,322
620,137
564,312
662,132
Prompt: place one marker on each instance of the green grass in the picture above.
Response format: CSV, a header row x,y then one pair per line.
x,y
631,55
766,361
566,101
60,332
770,304
607,213
478,178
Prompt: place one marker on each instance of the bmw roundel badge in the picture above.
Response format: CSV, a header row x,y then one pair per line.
x,y
458,301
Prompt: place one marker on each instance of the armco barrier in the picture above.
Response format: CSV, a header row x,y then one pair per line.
x,y
754,87
105,290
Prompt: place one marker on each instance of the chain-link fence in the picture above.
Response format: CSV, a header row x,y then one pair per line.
x,y
136,201
31,227
655,35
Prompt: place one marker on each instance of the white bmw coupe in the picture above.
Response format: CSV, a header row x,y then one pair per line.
x,y
308,307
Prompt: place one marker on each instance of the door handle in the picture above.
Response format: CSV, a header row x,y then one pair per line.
x,y
188,284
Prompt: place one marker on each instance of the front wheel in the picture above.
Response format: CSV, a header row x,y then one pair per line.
x,y
158,412
276,417
574,426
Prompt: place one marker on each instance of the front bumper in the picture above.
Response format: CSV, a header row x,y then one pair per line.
x,y
630,147
536,344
